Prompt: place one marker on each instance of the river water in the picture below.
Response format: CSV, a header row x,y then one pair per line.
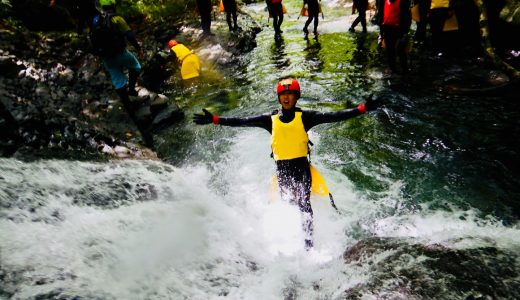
x,y
426,187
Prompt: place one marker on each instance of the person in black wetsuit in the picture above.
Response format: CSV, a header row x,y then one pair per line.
x,y
313,7
361,6
204,7
230,6
290,144
276,11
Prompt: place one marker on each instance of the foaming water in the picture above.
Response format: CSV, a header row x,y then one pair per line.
x,y
199,231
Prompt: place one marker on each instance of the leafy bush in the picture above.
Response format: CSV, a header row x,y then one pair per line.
x,y
5,8
155,9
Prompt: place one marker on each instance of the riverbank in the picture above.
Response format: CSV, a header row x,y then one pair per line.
x,y
58,102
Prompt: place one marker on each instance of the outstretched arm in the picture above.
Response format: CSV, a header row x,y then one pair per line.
x,y
262,121
313,118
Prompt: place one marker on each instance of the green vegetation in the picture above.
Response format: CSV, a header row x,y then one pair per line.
x,y
5,8
156,9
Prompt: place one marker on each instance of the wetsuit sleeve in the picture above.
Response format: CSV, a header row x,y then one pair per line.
x,y
263,121
312,118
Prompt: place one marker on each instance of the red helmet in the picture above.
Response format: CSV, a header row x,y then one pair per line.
x,y
172,43
288,84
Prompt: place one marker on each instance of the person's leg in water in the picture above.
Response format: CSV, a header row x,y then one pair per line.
x,y
316,22
314,11
401,44
133,74
363,18
309,20
390,38
230,6
115,67
278,11
294,180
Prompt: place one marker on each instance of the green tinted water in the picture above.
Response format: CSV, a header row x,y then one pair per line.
x,y
440,151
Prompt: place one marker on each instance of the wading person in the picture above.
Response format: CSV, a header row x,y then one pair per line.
x,y
276,11
204,7
361,6
230,7
313,8
439,12
395,25
108,37
290,143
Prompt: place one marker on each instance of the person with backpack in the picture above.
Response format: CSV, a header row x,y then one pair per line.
x,y
108,37
288,127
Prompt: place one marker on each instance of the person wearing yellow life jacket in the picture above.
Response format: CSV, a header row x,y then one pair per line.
x,y
440,10
290,143
189,61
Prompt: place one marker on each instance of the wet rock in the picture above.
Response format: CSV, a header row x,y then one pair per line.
x,y
9,67
158,104
167,117
117,192
405,270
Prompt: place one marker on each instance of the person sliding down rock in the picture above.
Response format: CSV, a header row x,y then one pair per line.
x,y
290,143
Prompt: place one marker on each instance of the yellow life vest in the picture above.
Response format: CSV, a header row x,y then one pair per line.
x,y
289,140
190,63
440,4
181,51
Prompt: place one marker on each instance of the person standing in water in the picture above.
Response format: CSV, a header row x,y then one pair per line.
x,y
276,11
395,26
313,8
361,6
204,7
290,143
230,7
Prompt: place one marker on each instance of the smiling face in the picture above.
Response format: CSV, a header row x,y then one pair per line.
x,y
287,99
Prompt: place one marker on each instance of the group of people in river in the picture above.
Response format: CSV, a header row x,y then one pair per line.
x,y
394,18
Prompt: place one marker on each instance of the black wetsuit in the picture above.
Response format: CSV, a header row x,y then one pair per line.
x,y
294,178
361,6
276,11
396,36
230,6
204,7
313,7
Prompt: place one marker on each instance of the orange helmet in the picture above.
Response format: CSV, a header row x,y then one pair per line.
x,y
172,43
288,84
